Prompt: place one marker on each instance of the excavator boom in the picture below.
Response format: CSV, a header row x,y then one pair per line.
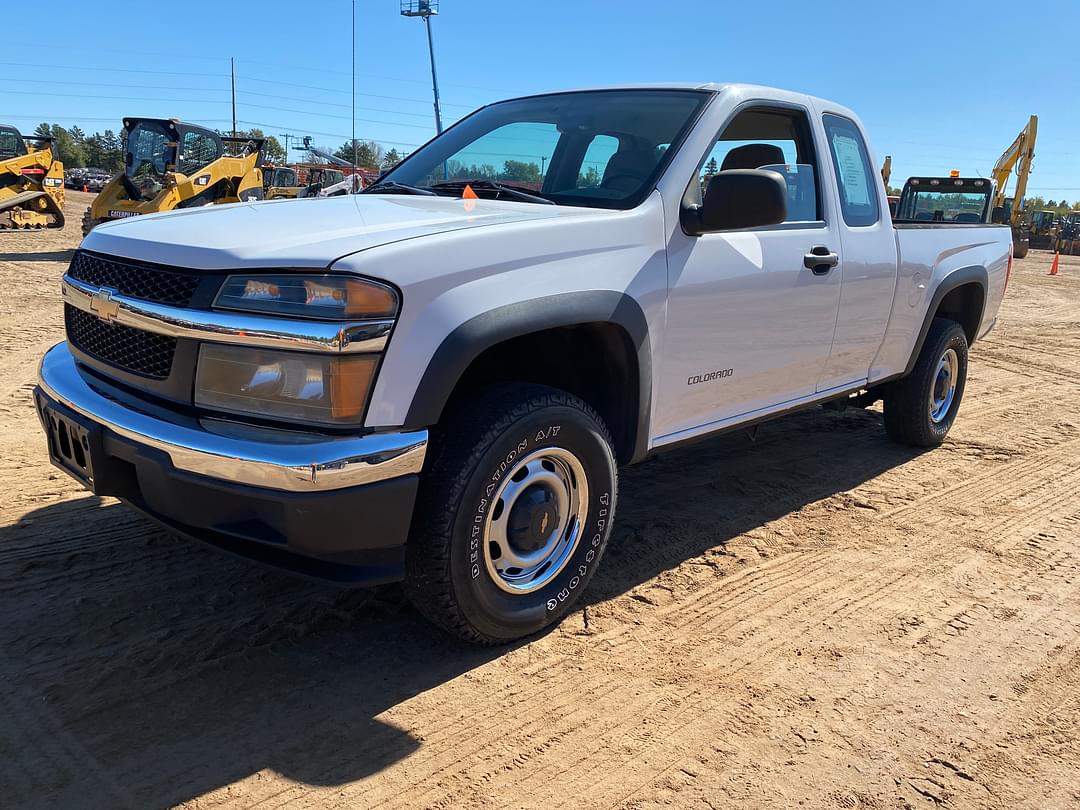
x,y
1019,156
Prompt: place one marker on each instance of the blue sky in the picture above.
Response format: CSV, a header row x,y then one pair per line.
x,y
940,85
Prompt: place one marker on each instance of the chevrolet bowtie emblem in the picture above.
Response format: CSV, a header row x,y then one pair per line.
x,y
102,305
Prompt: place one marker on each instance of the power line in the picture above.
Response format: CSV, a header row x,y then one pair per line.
x,y
111,84
346,92
333,115
372,76
332,104
344,137
115,70
116,98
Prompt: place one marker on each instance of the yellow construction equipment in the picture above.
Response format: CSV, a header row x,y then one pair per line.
x,y
31,181
1019,155
886,170
279,182
170,164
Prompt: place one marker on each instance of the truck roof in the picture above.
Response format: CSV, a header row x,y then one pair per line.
x,y
749,91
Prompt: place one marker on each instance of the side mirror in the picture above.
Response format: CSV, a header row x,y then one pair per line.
x,y
738,198
997,216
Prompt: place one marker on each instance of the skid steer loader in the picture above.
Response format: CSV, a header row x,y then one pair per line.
x,y
279,182
31,181
169,164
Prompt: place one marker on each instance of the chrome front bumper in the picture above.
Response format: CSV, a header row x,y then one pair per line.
x,y
274,460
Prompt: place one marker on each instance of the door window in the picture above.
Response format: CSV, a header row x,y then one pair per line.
x,y
855,176
778,140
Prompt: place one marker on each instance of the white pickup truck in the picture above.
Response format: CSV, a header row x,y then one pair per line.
x,y
436,380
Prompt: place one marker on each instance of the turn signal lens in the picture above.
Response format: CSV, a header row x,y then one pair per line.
x,y
312,388
323,297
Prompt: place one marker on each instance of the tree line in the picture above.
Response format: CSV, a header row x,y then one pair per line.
x,y
1035,204
77,149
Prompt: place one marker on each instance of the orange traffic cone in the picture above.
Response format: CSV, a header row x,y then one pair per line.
x,y
1054,266
85,188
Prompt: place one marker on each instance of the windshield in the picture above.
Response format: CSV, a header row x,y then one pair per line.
x,y
147,156
601,149
11,144
283,177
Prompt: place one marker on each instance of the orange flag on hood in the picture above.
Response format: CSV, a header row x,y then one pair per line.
x,y
469,196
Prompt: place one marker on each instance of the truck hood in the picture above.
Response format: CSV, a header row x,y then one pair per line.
x,y
305,233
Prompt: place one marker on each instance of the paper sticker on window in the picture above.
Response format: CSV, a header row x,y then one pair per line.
x,y
852,171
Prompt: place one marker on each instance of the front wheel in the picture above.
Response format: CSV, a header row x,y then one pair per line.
x,y
920,408
513,514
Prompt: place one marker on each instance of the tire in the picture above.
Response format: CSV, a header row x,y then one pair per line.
x,y
88,222
910,413
487,498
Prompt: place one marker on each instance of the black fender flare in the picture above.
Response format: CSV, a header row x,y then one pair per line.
x,y
470,339
957,278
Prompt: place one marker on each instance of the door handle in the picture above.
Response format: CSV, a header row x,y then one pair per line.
x,y
820,260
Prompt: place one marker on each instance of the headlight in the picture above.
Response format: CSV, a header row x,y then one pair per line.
x,y
315,388
328,297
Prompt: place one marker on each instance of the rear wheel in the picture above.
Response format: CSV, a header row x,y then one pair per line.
x,y
513,515
920,408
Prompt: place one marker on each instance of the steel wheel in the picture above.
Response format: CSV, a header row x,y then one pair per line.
x,y
943,390
536,520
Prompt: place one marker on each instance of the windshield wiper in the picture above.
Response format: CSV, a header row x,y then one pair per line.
x,y
404,188
510,191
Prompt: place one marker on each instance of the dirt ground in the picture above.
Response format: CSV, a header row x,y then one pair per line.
x,y
819,618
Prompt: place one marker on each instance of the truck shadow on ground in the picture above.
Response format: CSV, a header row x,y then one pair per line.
x,y
38,256
144,670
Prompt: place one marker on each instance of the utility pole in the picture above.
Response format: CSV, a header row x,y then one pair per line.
x,y
426,9
354,144
232,71
286,136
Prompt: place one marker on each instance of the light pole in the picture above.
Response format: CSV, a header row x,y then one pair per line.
x,y
426,9
354,144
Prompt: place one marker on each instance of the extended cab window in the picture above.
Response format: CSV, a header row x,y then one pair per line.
x,y
778,140
855,176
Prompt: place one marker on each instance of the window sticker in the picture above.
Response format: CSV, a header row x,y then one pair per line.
x,y
852,172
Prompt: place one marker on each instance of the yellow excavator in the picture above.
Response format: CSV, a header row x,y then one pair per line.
x,y
170,164
31,181
1018,156
886,173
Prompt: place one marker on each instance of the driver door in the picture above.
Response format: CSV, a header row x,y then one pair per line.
x,y
750,324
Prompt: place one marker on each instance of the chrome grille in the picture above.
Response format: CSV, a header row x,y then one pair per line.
x,y
145,281
129,349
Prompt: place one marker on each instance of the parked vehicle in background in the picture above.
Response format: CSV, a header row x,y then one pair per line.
x,y
1068,241
1044,229
436,380
280,182
961,200
171,164
31,181
324,182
